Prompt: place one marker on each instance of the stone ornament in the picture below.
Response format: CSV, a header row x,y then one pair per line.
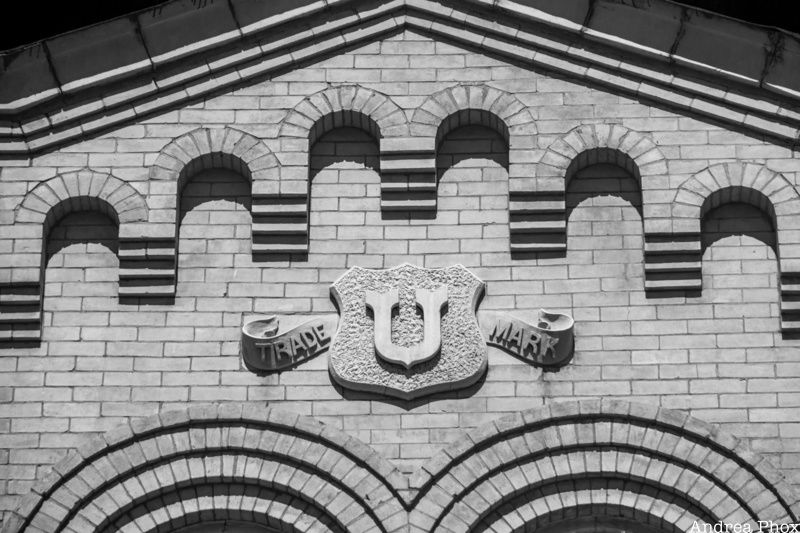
x,y
367,354
384,304
549,342
264,350
407,332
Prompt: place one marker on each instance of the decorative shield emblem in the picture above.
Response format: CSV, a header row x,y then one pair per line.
x,y
407,331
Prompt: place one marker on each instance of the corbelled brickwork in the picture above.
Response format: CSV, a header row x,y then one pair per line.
x,y
670,238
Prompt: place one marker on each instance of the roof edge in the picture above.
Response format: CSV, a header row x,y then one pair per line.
x,y
146,40
662,32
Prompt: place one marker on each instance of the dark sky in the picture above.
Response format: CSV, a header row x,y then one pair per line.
x,y
34,20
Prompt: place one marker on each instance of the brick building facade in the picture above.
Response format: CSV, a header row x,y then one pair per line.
x,y
167,176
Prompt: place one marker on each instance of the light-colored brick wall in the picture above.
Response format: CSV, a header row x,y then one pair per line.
x,y
719,355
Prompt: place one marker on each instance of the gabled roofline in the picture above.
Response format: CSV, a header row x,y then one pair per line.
x,y
723,68
129,45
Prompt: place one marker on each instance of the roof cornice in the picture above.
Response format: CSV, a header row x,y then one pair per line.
x,y
647,56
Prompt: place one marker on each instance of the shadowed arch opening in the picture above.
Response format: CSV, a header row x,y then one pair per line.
x,y
80,241
81,227
66,216
738,211
351,139
80,257
346,118
214,217
210,162
345,187
603,172
472,117
225,526
757,217
471,134
739,251
604,217
215,227
75,205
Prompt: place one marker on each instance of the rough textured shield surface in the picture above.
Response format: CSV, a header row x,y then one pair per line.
x,y
462,358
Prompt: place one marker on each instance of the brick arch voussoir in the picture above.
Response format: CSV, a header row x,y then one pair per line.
x,y
134,448
378,107
684,490
509,109
647,157
217,147
553,509
507,438
287,514
69,192
691,196
216,470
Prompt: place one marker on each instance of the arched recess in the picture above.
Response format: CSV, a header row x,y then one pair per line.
x,y
337,107
198,150
756,185
543,466
538,209
480,105
39,211
216,462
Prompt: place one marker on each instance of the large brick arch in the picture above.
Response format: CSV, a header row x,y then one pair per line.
x,y
41,208
538,208
226,462
529,469
753,184
659,463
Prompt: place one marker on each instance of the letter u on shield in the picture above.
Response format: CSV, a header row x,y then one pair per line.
x,y
430,302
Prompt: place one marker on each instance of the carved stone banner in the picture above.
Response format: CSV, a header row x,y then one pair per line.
x,y
549,342
264,350
407,332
